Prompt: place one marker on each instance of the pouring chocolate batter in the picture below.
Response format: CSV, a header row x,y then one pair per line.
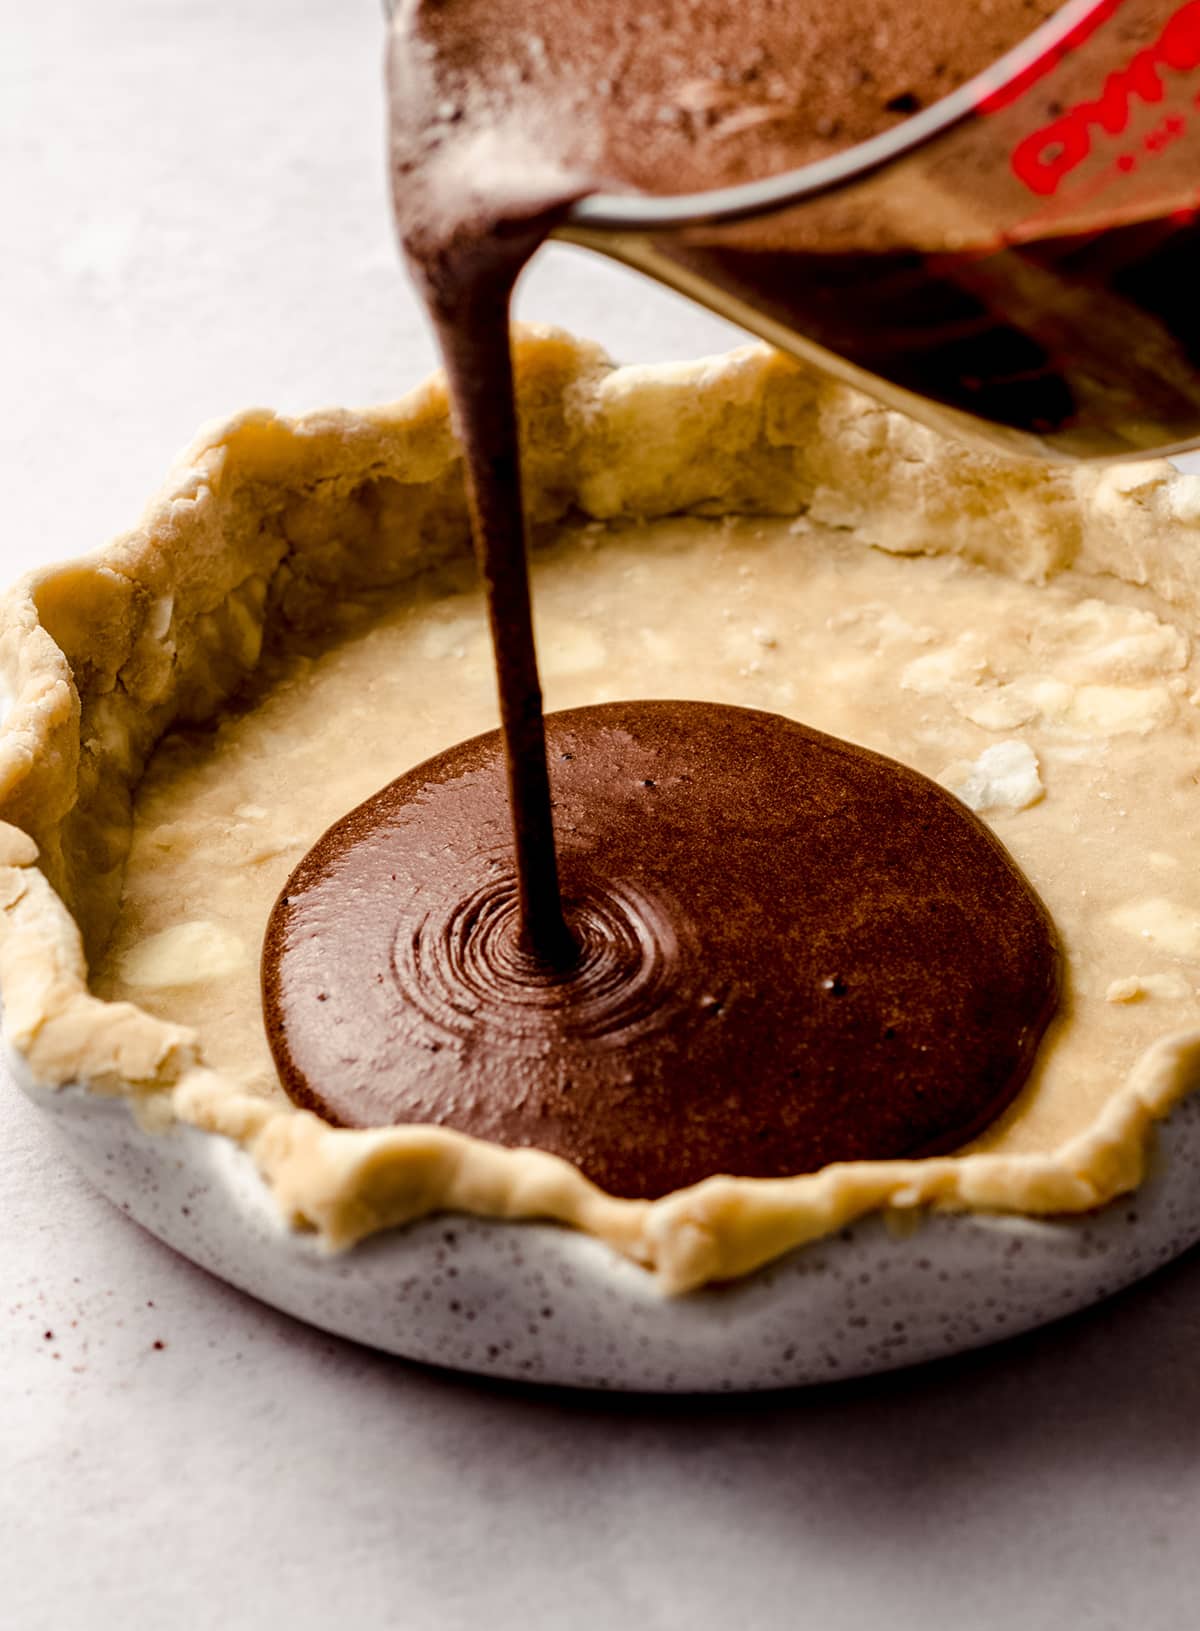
x,y
753,949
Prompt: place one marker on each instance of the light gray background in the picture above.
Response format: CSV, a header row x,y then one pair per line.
x,y
194,219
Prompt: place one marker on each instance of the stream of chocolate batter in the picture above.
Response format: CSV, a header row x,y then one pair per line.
x,y
768,950
501,116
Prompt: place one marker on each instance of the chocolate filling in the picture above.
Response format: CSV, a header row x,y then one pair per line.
x,y
790,951
768,950
668,96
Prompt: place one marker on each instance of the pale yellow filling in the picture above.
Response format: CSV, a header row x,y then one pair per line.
x,y
1067,714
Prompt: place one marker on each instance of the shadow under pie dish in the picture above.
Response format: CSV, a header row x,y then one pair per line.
x,y
296,621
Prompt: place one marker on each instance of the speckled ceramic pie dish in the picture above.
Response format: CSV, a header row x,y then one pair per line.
x,y
755,531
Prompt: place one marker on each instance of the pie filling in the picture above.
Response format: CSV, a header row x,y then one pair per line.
x,y
1063,714
788,952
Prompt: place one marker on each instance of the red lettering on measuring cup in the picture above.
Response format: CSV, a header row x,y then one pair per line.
x,y
1044,158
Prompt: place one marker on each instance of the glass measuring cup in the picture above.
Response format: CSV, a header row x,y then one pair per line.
x,y
1018,263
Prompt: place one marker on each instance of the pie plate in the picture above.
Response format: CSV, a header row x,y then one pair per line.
x,y
445,1249
537,1303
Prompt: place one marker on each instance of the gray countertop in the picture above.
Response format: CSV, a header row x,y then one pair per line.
x,y
195,220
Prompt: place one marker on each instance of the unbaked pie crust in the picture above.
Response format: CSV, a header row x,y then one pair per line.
x,y
303,552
